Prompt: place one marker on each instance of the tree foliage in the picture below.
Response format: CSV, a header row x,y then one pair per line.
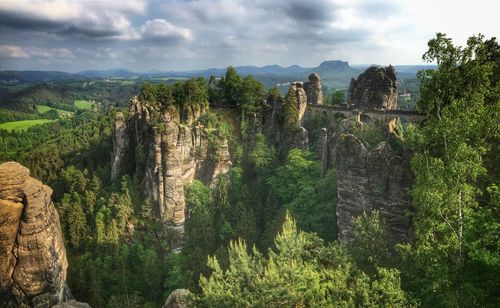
x,y
452,263
301,272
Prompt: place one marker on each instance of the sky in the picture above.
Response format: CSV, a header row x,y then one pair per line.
x,y
145,35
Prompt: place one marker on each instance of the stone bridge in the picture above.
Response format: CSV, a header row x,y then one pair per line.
x,y
366,116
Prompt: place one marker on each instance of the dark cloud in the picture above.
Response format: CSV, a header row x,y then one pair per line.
x,y
90,33
26,22
35,24
309,11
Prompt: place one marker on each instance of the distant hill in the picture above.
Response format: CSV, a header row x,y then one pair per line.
x,y
34,76
112,73
327,67
334,73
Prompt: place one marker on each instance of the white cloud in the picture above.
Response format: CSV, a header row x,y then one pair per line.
x,y
39,52
63,53
57,53
160,29
11,51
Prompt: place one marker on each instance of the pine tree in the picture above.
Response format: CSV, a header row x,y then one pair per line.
x,y
77,222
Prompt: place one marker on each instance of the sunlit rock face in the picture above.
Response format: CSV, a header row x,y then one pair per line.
x,y
297,88
376,88
120,142
33,264
314,89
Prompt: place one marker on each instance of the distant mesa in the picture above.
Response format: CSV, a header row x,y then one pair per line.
x,y
335,65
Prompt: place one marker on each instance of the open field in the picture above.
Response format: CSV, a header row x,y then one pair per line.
x,y
83,104
45,108
23,125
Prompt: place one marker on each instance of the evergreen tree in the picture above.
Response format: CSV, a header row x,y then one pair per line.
x,y
294,274
370,245
77,223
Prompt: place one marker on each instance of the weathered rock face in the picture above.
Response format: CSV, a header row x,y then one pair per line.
x,y
169,149
297,87
376,179
119,144
298,136
314,89
376,88
33,262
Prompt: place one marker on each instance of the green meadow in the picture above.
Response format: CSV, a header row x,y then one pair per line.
x,y
23,125
45,108
83,104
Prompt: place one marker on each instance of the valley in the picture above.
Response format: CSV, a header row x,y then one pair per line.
x,y
334,185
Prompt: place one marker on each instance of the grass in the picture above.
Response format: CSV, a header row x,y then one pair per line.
x,y
83,104
23,125
44,108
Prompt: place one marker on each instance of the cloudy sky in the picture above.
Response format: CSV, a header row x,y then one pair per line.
x,y
143,35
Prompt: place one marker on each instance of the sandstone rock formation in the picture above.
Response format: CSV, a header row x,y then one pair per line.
x,y
376,88
33,262
296,137
372,179
168,149
119,144
314,89
297,87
